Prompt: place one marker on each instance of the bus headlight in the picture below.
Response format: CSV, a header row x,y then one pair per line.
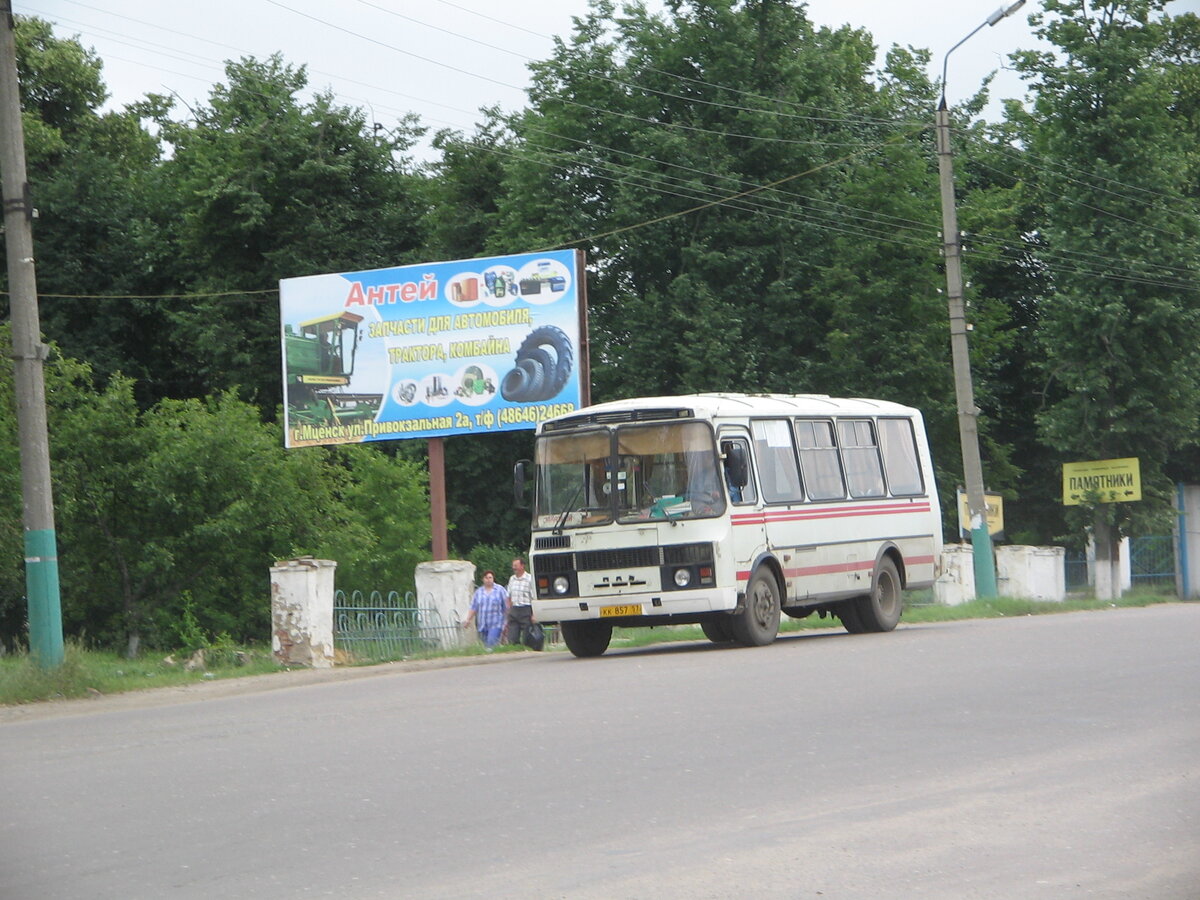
x,y
683,577
562,584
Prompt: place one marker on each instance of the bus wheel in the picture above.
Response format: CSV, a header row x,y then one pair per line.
x,y
847,611
717,630
758,623
880,610
586,638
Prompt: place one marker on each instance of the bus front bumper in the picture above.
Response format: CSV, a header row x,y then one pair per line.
x,y
638,609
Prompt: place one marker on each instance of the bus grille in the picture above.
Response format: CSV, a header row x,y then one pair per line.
x,y
626,558
687,554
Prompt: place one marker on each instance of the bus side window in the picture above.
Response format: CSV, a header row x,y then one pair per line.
x,y
735,463
819,459
860,454
775,454
900,457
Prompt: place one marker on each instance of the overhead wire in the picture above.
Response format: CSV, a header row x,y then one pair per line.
x,y
1036,160
756,203
983,252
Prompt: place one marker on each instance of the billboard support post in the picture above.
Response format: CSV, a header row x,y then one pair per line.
x,y
437,499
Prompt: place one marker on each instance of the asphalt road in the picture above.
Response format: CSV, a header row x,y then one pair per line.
x,y
1041,757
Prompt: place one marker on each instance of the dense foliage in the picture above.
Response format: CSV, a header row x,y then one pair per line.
x,y
759,210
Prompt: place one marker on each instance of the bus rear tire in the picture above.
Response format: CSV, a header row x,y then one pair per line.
x,y
880,610
717,630
586,639
758,624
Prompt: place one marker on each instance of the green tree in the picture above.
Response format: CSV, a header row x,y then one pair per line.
x,y
1119,324
261,186
183,507
757,213
60,85
464,190
384,531
90,174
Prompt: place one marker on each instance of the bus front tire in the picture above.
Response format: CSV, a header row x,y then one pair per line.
x,y
585,639
717,630
758,624
847,611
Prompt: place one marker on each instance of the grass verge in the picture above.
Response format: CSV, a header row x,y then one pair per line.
x,y
86,673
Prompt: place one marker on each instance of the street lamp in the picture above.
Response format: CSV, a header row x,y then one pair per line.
x,y
968,426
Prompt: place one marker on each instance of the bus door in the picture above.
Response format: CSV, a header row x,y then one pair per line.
x,y
788,536
749,538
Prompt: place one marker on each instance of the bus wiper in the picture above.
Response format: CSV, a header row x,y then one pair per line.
x,y
567,510
663,506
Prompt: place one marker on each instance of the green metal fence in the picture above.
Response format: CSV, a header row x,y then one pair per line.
x,y
1151,564
1152,561
378,626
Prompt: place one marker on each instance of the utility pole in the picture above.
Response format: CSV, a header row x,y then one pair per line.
x,y
41,544
964,390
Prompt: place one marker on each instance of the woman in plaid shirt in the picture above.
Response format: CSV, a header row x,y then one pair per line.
x,y
489,608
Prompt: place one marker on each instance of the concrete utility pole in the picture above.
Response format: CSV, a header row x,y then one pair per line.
x,y
968,425
41,545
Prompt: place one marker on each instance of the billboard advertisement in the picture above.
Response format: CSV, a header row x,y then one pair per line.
x,y
431,350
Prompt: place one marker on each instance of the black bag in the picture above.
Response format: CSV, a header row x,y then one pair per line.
x,y
535,636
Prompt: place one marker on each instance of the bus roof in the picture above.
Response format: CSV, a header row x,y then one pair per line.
x,y
707,406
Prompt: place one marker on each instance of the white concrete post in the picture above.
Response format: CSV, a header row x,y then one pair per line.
x,y
302,612
1190,523
446,586
1111,581
955,582
1031,573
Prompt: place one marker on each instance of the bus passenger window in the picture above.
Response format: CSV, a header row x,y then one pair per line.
x,y
900,457
819,459
778,475
864,473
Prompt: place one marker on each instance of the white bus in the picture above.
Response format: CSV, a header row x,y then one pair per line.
x,y
727,510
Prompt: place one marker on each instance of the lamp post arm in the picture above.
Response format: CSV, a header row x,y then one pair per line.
x,y
946,58
1002,13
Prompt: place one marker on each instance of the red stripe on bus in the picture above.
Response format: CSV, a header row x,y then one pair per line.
x,y
831,568
802,515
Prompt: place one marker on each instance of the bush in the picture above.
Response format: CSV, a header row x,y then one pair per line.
x,y
496,557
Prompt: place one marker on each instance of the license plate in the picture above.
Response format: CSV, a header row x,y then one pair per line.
x,y
630,609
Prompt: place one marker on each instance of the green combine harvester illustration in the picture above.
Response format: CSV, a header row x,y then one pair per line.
x,y
320,364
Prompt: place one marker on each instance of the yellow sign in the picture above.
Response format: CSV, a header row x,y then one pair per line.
x,y
1102,481
993,503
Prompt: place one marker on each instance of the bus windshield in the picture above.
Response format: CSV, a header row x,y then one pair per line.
x,y
634,473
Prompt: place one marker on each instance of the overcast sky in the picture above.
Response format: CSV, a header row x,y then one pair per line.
x,y
443,59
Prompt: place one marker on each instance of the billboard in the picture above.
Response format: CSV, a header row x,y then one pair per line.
x,y
431,350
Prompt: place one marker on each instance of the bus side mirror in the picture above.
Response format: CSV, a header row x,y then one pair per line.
x,y
736,464
519,500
